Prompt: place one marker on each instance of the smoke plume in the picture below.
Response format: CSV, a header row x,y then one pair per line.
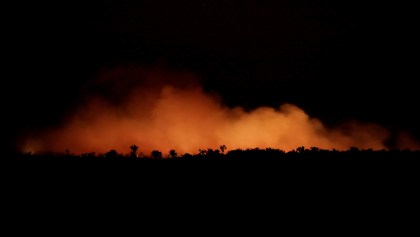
x,y
160,109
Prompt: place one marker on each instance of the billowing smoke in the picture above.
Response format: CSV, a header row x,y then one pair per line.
x,y
158,109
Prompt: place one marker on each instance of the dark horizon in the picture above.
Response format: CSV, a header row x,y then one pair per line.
x,y
337,61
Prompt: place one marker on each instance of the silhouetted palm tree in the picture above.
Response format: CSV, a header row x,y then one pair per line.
x,y
134,149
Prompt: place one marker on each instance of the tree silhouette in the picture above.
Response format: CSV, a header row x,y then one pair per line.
x,y
111,154
172,154
134,149
300,149
223,148
212,153
314,149
156,155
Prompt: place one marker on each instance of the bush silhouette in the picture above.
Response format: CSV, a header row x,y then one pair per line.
x,y
111,154
156,155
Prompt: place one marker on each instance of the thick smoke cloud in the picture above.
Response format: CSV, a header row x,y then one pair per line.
x,y
162,109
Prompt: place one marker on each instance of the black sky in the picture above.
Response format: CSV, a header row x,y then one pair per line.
x,y
337,60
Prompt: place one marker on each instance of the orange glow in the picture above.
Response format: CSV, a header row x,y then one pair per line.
x,y
166,110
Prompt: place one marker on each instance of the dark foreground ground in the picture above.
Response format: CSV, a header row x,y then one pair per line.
x,y
249,186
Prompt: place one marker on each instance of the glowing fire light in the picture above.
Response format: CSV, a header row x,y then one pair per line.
x,y
161,110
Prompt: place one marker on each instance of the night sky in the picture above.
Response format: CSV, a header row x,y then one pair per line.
x,y
337,60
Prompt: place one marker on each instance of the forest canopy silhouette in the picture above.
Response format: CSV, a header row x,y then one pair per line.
x,y
162,109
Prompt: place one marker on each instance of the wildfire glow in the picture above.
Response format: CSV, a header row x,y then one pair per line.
x,y
163,110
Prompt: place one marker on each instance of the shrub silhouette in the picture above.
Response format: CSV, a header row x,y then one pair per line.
x,y
156,155
202,152
111,154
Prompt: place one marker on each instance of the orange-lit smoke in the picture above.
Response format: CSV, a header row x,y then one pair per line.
x,y
157,109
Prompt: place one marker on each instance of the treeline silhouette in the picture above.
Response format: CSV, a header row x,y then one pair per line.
x,y
220,168
210,154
